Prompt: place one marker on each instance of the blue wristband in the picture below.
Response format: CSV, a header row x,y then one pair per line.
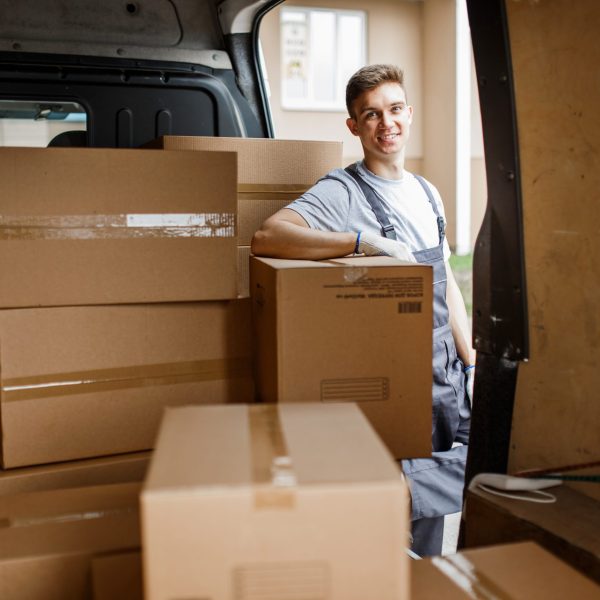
x,y
357,243
468,368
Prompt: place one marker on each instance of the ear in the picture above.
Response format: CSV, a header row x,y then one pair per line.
x,y
410,114
352,126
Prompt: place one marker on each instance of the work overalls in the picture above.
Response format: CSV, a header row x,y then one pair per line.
x,y
437,482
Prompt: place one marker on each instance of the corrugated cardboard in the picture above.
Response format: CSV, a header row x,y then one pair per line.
x,y
271,173
89,381
75,226
570,527
512,572
356,329
121,468
47,539
118,577
273,501
243,271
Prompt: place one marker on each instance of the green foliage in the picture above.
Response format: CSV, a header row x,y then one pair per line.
x,y
462,267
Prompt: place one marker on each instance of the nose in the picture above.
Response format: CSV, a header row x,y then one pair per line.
x,y
386,119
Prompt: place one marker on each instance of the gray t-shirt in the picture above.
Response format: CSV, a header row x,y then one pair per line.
x,y
336,203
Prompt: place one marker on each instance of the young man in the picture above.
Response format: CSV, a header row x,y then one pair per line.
x,y
376,207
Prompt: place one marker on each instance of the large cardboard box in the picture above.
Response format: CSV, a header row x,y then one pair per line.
x,y
569,527
48,539
118,577
512,572
105,226
354,329
120,468
78,382
271,173
267,501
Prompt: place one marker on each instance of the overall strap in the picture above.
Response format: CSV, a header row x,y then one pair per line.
x,y
373,199
440,220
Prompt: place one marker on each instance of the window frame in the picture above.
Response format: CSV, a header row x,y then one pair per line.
x,y
309,104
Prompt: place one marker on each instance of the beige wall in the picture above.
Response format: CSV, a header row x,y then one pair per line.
x,y
23,132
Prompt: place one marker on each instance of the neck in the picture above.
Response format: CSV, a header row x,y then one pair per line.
x,y
388,167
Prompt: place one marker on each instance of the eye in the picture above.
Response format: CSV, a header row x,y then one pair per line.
x,y
398,108
370,115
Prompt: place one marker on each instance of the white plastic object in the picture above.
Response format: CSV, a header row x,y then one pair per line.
x,y
513,484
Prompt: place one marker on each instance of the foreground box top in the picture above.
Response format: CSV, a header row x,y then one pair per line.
x,y
213,447
509,572
106,226
295,501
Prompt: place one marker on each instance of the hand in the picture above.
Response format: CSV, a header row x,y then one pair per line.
x,y
469,385
376,245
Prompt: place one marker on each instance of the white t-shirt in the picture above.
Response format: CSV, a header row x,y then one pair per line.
x,y
336,203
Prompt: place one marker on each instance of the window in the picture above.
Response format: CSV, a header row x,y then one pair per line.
x,y
320,50
41,123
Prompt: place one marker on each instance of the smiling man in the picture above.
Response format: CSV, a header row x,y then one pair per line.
x,y
376,207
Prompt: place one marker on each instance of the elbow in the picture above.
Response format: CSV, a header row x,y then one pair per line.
x,y
257,243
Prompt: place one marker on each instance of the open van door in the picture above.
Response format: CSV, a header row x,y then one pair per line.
x,y
133,71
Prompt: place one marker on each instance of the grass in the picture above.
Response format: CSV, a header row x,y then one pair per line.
x,y
462,267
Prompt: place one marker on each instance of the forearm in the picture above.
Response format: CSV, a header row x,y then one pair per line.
x,y
459,321
284,239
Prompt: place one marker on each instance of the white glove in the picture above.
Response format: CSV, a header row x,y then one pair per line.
x,y
469,384
371,244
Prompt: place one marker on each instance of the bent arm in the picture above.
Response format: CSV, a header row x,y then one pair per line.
x,y
287,235
459,321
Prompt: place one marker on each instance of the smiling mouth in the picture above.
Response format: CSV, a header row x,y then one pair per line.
x,y
388,137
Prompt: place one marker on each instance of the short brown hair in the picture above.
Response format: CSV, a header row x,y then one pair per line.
x,y
370,77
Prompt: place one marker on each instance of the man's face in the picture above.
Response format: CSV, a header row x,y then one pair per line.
x,y
381,120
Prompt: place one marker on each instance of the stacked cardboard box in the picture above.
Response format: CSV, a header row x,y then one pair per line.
x,y
48,539
120,468
273,501
92,237
513,572
120,277
271,173
353,329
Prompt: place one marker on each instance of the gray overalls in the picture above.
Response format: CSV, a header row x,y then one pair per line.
x,y
436,482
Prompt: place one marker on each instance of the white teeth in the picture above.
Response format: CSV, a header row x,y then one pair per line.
x,y
388,137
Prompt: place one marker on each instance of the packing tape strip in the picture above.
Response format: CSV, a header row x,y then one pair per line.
x,y
10,522
102,380
272,469
125,226
289,192
463,573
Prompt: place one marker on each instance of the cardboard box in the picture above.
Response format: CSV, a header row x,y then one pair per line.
x,y
271,173
104,226
90,381
268,501
48,539
512,572
355,329
121,468
569,527
243,271
118,577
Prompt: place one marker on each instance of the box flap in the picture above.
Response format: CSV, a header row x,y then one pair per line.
x,y
212,447
522,570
